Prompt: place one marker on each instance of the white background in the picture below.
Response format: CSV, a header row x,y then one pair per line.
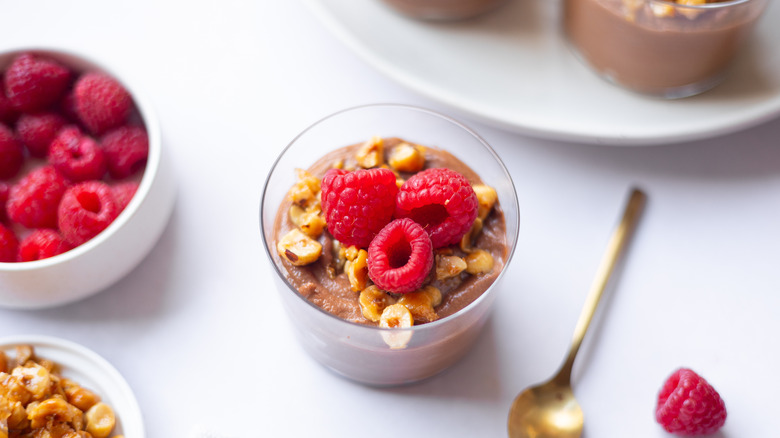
x,y
198,330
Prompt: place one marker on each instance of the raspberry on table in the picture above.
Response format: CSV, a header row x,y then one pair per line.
x,y
11,153
688,405
86,209
101,102
400,256
9,245
442,201
358,204
123,193
34,82
41,244
77,156
126,150
33,200
36,131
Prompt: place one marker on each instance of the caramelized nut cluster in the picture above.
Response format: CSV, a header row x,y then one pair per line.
x,y
301,247
37,402
662,10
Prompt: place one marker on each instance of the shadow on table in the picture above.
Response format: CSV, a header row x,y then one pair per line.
x,y
139,294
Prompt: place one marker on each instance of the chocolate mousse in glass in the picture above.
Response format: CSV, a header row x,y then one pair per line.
x,y
669,49
340,317
442,10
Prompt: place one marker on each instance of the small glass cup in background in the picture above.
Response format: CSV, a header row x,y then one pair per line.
x,y
659,47
368,354
444,10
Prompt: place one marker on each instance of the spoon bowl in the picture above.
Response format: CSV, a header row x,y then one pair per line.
x,y
549,410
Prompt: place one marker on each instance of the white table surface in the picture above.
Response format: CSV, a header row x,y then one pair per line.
x,y
199,333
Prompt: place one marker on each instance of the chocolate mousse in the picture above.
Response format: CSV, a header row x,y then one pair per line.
x,y
334,277
444,9
660,47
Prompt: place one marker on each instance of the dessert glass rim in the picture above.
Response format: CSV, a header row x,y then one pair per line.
x,y
429,325
715,5
152,127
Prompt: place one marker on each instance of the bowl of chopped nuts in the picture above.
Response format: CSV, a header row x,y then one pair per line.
x,y
42,377
85,187
389,228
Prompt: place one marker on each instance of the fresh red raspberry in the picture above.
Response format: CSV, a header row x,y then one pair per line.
x,y
7,111
33,200
124,192
41,244
4,189
77,156
400,256
33,83
86,209
688,405
358,204
9,245
67,106
36,131
126,149
102,102
442,201
11,153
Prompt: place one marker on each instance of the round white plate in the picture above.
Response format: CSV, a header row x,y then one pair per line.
x,y
91,371
513,69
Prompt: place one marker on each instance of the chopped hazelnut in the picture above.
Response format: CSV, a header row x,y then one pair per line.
x,y
298,248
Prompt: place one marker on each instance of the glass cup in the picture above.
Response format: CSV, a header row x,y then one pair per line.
x,y
660,47
363,353
444,10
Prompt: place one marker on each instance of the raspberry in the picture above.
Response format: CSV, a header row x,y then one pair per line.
x,y
33,83
36,131
358,204
4,189
11,153
442,201
7,111
400,256
9,245
101,102
78,157
86,209
67,107
124,192
41,244
126,149
33,201
688,405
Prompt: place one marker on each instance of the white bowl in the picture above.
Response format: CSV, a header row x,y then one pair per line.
x,y
92,372
109,256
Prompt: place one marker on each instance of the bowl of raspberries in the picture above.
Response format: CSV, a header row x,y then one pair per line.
x,y
84,189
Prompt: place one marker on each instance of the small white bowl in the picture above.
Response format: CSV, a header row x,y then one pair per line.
x,y
92,372
109,256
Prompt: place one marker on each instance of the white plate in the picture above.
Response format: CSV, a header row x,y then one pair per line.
x,y
91,371
513,69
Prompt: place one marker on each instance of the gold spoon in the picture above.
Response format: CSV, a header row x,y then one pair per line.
x,y
549,410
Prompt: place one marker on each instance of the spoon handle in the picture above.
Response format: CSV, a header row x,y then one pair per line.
x,y
615,247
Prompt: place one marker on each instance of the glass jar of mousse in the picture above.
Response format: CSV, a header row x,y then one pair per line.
x,y
662,48
367,353
444,10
